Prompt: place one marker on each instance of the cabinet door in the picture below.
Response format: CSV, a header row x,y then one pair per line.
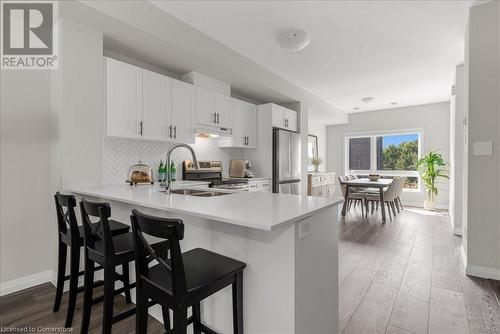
x,y
290,119
156,102
123,99
223,110
205,106
239,131
183,104
251,125
277,115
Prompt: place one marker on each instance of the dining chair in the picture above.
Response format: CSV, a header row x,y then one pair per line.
x,y
390,195
355,196
70,235
109,252
183,280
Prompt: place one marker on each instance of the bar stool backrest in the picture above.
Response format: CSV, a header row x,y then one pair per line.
x,y
100,230
66,218
169,229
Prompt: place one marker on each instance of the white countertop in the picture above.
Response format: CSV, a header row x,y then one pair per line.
x,y
259,210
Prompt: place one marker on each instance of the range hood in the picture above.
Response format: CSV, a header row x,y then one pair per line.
x,y
213,131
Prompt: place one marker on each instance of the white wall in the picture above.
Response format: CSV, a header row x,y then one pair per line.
x,y
433,119
483,82
26,225
457,149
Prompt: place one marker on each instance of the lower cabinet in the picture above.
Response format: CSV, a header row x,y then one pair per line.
x,y
259,185
321,184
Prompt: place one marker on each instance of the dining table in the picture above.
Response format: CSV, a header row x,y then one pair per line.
x,y
366,183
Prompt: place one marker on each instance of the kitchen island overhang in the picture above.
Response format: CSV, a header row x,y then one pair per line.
x,y
288,242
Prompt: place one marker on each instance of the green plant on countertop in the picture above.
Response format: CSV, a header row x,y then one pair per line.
x,y
432,166
316,161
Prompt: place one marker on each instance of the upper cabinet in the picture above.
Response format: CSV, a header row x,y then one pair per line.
x,y
213,108
244,120
148,105
205,106
156,105
124,99
283,118
183,114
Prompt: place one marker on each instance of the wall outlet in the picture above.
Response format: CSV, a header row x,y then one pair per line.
x,y
483,148
304,229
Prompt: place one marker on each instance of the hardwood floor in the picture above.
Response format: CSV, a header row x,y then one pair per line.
x,y
33,308
407,276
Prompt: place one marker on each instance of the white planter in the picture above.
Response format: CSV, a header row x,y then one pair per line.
x,y
429,205
429,201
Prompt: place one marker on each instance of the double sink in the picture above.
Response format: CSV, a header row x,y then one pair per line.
x,y
197,193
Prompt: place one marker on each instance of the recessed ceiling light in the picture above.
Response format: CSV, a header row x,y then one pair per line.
x,y
294,40
356,108
367,99
393,103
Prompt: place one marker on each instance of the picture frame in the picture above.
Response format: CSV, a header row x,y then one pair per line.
x,y
312,150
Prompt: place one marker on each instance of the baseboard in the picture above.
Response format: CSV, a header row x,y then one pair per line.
x,y
421,205
462,251
457,231
26,282
483,272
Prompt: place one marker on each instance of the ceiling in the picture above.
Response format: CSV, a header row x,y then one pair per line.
x,y
401,52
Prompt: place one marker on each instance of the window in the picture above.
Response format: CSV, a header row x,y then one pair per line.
x,y
390,155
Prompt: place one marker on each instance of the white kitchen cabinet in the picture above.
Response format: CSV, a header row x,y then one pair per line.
x,y
123,100
259,185
251,124
183,112
244,125
283,118
290,119
223,111
156,106
205,107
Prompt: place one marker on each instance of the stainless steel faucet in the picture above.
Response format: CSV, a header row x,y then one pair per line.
x,y
169,177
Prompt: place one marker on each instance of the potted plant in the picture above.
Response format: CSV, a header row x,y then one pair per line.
x,y
431,166
316,161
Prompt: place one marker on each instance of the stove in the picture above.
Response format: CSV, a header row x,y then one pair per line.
x,y
211,171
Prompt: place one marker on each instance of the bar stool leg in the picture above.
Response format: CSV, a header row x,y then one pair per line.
x,y
109,292
180,320
61,272
73,284
196,319
126,282
238,303
166,317
141,320
87,295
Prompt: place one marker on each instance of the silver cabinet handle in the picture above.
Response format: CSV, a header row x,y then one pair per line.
x,y
170,131
140,128
218,121
245,143
215,117
175,132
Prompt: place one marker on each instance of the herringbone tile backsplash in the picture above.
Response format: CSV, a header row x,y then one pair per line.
x,y
120,153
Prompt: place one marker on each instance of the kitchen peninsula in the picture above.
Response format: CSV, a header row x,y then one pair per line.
x,y
288,242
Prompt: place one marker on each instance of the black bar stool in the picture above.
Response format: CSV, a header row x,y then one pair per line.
x,y
71,235
108,251
184,279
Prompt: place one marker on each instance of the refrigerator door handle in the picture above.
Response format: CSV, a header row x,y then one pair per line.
x,y
288,181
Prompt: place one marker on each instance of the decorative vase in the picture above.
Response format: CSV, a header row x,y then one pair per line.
x,y
316,169
429,200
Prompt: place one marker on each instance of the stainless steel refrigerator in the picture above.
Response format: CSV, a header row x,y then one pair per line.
x,y
286,162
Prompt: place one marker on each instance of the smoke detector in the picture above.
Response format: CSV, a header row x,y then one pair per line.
x,y
294,40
